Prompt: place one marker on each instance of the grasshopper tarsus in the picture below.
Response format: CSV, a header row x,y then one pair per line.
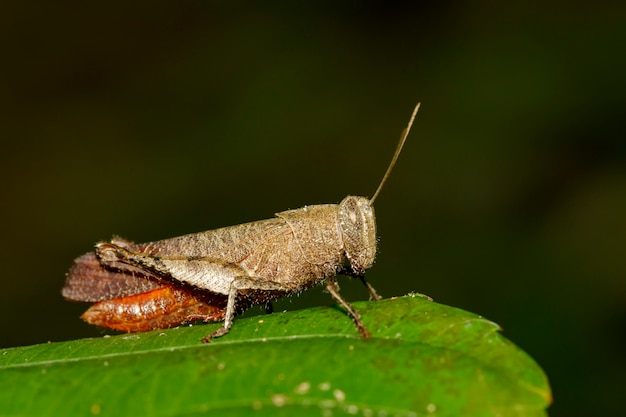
x,y
214,335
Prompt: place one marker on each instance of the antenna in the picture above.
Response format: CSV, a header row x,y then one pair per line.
x,y
403,137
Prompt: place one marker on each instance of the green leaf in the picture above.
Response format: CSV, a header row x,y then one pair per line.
x,y
423,359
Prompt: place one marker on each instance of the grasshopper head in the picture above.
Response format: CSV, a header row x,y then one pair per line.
x,y
358,230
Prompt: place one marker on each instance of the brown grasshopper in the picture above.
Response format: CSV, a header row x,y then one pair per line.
x,y
213,275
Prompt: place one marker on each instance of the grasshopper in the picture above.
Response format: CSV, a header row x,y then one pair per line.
x,y
214,275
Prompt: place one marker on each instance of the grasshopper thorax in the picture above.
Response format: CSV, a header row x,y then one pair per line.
x,y
358,231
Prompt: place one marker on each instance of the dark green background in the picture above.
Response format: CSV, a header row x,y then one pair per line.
x,y
159,119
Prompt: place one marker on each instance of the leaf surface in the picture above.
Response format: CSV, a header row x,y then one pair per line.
x,y
424,359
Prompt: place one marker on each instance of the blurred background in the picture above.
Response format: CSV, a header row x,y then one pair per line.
x,y
160,119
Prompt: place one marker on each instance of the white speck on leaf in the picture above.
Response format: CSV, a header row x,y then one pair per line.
x,y
303,388
279,400
339,395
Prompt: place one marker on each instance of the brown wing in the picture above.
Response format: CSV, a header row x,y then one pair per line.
x,y
88,281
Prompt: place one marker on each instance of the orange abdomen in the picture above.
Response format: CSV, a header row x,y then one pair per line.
x,y
161,308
